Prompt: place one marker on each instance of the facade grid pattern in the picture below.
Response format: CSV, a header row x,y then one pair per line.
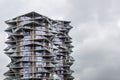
x,y
39,48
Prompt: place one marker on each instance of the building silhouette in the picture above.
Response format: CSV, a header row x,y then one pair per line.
x,y
39,48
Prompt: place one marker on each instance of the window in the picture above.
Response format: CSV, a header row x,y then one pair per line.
x,y
27,37
21,43
38,47
27,32
38,54
21,33
57,40
22,70
26,64
38,74
39,69
38,28
27,69
26,53
26,18
27,48
26,58
37,42
40,32
38,37
38,64
21,48
38,58
26,75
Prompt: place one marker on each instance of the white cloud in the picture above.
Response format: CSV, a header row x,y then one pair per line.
x,y
96,32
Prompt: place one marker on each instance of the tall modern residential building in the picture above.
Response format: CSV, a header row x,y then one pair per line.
x,y
39,48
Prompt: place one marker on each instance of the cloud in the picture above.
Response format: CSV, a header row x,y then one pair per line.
x,y
96,36
96,33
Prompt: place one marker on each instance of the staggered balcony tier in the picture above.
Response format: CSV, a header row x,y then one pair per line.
x,y
39,48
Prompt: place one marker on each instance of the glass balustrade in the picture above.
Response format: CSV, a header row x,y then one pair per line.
x,y
38,58
38,64
38,54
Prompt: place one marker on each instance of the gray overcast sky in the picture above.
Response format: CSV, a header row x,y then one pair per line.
x,y
96,33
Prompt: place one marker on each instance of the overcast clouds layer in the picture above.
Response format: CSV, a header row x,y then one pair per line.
x,y
96,33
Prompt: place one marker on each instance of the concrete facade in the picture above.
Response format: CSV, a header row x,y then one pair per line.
x,y
39,48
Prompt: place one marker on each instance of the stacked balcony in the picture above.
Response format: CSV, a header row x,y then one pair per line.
x,y
39,47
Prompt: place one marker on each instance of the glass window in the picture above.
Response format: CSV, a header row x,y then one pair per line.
x,y
27,48
22,48
22,70
26,58
38,58
39,69
26,64
27,37
26,75
21,33
22,23
27,42
38,54
26,18
38,37
54,29
26,53
40,32
38,42
26,69
21,43
38,74
38,28
38,47
27,32
38,64
21,18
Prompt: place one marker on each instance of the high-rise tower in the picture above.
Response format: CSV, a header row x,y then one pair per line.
x,y
39,48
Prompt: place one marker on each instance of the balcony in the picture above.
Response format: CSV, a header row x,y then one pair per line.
x,y
10,78
30,23
70,62
68,72
16,66
41,49
63,47
62,37
41,70
9,52
60,69
68,41
47,55
38,18
16,55
7,48
63,30
41,38
31,43
59,54
48,35
21,35
70,77
27,28
69,27
37,78
24,59
50,65
9,29
64,51
9,73
57,43
10,42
